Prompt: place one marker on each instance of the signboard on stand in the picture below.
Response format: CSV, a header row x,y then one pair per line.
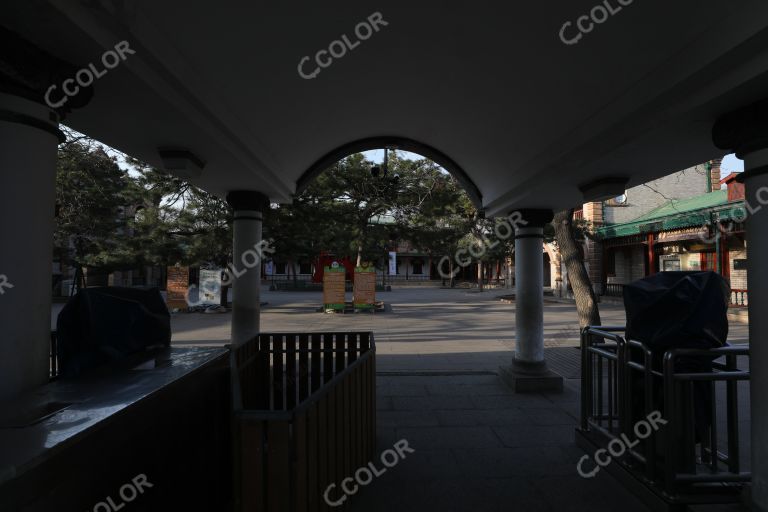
x,y
364,290
210,286
177,286
334,287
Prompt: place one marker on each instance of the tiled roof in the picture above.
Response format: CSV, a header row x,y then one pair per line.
x,y
677,214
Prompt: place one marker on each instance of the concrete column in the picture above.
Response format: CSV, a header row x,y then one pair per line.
x,y
756,185
529,371
529,296
248,253
745,131
28,143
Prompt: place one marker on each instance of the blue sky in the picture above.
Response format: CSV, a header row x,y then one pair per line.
x,y
731,164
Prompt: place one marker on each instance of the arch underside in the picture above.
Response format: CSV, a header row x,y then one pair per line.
x,y
392,142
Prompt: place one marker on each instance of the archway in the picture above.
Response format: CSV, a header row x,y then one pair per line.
x,y
393,142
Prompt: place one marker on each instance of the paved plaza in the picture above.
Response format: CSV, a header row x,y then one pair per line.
x,y
478,447
425,329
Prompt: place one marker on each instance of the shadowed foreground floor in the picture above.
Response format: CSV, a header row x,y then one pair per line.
x,y
477,447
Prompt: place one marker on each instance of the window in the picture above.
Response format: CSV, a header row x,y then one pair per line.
x,y
418,267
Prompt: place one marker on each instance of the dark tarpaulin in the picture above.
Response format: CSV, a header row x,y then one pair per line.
x,y
679,310
106,324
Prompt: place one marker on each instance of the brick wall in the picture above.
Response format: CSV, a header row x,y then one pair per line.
x,y
715,173
644,198
738,277
593,212
630,265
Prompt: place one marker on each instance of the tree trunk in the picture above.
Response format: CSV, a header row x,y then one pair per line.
x,y
292,266
570,252
480,275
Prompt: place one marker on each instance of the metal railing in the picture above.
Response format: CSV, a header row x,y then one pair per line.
x,y
624,382
304,417
614,290
407,277
53,355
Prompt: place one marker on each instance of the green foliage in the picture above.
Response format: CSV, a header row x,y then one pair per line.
x,y
177,222
91,191
110,219
349,212
114,219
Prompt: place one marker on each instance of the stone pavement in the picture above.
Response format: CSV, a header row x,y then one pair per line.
x,y
426,329
478,447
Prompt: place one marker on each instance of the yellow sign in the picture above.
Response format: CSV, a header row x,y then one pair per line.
x,y
334,287
364,291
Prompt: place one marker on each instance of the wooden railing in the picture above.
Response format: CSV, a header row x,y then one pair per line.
x,y
739,298
304,417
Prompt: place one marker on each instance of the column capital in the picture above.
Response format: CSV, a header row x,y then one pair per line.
x,y
743,131
247,200
534,218
31,73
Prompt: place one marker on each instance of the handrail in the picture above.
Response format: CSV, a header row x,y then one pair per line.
x,y
607,345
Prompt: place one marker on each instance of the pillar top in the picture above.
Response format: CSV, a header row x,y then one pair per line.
x,y
743,131
535,218
29,72
247,200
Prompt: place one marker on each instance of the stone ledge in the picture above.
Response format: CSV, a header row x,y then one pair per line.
x,y
546,381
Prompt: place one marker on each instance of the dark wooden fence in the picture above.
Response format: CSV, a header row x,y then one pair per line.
x,y
305,417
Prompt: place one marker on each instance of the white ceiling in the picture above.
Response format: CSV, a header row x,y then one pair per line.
x,y
488,84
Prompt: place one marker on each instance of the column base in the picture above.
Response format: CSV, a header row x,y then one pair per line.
x,y
523,377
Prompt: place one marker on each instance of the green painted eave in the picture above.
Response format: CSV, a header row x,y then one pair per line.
x,y
679,214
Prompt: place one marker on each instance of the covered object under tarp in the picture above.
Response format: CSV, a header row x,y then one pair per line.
x,y
107,324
